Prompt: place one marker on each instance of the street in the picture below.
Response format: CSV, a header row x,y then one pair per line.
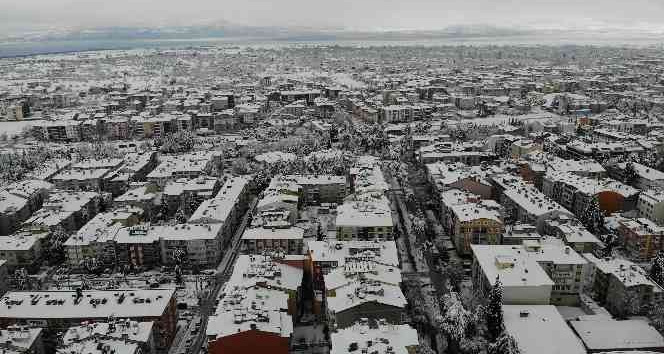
x,y
208,304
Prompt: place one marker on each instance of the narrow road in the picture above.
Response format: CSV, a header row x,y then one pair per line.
x,y
208,304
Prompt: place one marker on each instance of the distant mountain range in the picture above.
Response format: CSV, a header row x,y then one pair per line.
x,y
61,40
228,30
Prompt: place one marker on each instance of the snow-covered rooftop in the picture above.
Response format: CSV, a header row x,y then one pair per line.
x,y
93,304
609,334
378,339
540,329
244,309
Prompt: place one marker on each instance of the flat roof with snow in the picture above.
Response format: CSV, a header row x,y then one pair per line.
x,y
540,329
94,304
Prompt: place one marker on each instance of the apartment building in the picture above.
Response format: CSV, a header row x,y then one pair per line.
x,y
18,201
317,189
651,205
250,320
57,310
475,223
575,192
524,203
622,286
641,238
536,272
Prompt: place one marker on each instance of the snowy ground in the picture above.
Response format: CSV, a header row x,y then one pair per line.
x,y
15,127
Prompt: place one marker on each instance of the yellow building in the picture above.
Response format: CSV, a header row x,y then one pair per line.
x,y
476,223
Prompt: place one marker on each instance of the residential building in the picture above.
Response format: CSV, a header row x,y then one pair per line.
x,y
365,289
622,286
124,331
646,177
375,336
523,203
67,209
18,201
607,335
364,218
289,239
274,271
651,205
56,311
540,329
574,192
96,239
226,207
641,238
536,272
317,189
573,233
22,340
475,223
21,250
250,320
329,255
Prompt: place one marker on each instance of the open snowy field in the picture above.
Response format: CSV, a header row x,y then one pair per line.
x,y
15,127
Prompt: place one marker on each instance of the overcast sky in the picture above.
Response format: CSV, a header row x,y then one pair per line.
x,y
354,14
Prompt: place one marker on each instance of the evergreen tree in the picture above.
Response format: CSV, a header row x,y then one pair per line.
x,y
630,174
494,311
610,242
55,245
657,268
592,216
457,320
656,316
180,216
505,344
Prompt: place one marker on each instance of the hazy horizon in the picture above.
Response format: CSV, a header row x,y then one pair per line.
x,y
365,15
